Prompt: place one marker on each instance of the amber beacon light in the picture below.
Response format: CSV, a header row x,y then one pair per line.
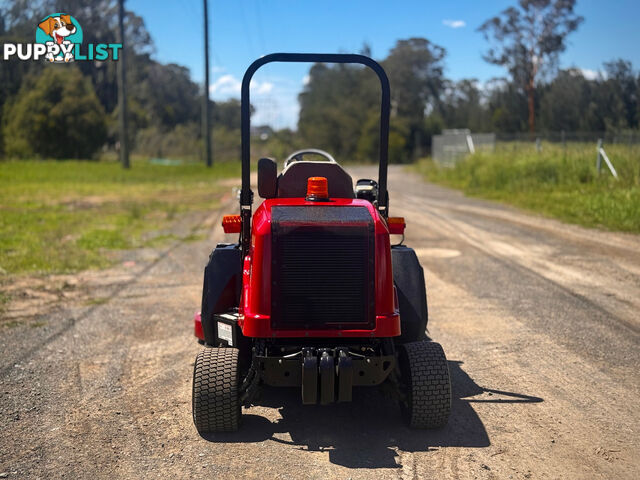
x,y
317,188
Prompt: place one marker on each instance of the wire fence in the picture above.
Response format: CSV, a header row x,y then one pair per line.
x,y
615,138
454,145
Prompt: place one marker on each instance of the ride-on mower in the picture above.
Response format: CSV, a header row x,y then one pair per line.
x,y
314,295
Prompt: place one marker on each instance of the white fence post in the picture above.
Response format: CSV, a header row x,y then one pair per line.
x,y
603,154
470,146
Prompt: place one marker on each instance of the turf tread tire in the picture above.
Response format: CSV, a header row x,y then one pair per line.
x,y
215,402
427,384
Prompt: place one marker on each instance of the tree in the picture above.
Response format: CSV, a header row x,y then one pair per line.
x,y
528,39
415,67
335,105
462,106
56,115
606,109
507,106
227,114
565,104
369,141
622,79
98,20
638,98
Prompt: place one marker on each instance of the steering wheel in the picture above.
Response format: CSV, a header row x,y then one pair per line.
x,y
298,156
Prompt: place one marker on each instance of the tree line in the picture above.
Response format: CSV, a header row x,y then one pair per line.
x,y
339,105
70,111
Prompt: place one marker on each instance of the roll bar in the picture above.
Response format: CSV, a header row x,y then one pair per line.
x,y
246,195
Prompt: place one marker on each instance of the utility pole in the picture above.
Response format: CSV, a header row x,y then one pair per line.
x,y
122,94
206,131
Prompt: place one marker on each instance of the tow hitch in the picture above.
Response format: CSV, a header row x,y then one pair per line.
x,y
327,374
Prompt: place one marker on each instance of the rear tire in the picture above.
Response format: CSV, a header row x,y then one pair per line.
x,y
426,385
215,402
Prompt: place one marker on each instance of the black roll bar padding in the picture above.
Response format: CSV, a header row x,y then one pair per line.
x,y
246,195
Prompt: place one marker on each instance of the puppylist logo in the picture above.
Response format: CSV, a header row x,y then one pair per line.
x,y
59,40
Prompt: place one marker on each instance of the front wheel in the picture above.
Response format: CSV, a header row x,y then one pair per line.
x,y
215,402
426,401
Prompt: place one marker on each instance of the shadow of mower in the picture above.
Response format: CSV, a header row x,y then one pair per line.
x,y
367,432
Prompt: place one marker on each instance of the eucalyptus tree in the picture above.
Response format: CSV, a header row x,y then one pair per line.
x,y
527,40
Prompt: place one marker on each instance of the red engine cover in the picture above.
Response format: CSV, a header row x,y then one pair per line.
x,y
255,305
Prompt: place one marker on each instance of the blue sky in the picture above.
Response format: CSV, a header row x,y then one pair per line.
x,y
243,30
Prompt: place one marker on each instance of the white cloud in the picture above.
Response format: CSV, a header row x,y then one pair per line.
x,y
277,113
226,85
454,23
589,74
306,79
262,88
275,99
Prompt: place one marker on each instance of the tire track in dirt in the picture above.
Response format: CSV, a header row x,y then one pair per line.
x,y
617,335
532,397
456,229
119,289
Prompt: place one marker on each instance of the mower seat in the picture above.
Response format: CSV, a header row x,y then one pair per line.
x,y
267,178
292,182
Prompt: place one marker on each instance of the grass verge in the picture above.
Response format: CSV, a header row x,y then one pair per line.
x,y
556,182
65,216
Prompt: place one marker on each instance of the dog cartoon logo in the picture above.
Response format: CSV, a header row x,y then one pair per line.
x,y
60,33
59,40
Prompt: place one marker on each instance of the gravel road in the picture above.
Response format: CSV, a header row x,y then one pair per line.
x,y
540,322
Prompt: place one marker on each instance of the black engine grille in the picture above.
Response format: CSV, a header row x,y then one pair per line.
x,y
322,268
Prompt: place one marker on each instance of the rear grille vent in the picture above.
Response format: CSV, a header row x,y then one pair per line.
x,y
322,275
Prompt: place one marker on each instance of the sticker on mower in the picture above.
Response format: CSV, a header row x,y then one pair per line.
x,y
225,333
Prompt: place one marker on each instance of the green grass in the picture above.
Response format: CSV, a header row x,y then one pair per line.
x,y
65,216
557,182
97,301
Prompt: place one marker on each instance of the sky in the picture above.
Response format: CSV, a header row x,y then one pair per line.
x,y
243,30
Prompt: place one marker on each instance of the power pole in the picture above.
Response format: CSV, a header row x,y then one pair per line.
x,y
122,94
206,131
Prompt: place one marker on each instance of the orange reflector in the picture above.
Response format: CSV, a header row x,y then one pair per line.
x,y
231,223
396,225
317,188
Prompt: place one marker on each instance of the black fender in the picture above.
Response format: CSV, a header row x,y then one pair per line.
x,y
408,277
222,286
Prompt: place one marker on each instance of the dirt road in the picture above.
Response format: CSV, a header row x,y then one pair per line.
x,y
540,322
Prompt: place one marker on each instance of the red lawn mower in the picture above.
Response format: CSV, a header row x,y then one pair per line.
x,y
314,295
